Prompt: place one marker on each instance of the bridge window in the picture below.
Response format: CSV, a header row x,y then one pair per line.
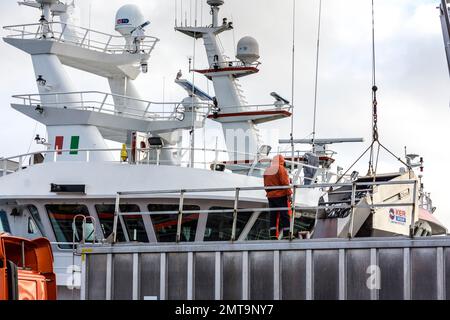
x,y
260,230
4,224
61,217
34,213
165,225
134,223
219,225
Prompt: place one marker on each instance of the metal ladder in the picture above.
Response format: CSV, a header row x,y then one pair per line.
x,y
84,220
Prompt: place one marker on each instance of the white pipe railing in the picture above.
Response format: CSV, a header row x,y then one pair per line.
x,y
106,103
257,107
98,41
142,156
237,199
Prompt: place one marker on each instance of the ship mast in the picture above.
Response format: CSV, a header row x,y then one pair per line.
x,y
239,120
228,92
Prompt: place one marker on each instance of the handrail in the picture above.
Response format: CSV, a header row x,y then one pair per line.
x,y
100,101
143,150
258,107
237,192
27,160
108,44
233,64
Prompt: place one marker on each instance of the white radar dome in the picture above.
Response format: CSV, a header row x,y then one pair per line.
x,y
190,102
248,50
128,18
215,3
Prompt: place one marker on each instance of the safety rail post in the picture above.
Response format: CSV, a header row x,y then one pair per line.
x,y
23,255
116,217
235,214
5,166
180,215
352,210
158,156
107,44
62,32
20,163
84,38
82,101
292,218
103,102
413,211
146,109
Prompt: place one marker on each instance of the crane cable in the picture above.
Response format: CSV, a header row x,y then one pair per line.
x,y
316,76
374,156
375,135
293,83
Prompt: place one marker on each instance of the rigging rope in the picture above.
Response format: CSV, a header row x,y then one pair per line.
x,y
293,83
375,136
316,75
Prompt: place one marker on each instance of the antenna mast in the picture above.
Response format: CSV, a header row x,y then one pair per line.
x,y
293,83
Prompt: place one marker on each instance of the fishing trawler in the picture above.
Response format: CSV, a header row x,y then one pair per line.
x,y
144,219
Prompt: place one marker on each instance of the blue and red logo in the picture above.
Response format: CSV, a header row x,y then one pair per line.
x,y
123,21
397,216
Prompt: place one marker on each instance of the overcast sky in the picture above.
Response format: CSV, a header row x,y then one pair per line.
x,y
412,74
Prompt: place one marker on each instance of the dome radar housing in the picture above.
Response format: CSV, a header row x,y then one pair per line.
x,y
248,50
129,18
215,3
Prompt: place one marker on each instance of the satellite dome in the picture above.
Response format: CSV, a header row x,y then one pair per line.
x,y
190,102
215,3
248,50
128,18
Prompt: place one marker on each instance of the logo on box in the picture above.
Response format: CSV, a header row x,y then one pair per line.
x,y
397,216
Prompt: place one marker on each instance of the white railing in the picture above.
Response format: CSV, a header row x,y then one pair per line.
x,y
233,64
151,156
112,104
274,107
82,37
237,196
136,108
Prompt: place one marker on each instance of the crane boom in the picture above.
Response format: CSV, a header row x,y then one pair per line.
x,y
445,20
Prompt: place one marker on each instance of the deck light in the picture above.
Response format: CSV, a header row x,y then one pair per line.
x,y
39,109
144,67
41,81
156,143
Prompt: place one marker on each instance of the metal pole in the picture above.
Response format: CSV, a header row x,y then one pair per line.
x,y
116,216
5,167
235,214
23,254
352,211
413,211
292,220
180,216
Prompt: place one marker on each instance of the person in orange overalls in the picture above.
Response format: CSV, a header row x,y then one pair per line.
x,y
277,175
